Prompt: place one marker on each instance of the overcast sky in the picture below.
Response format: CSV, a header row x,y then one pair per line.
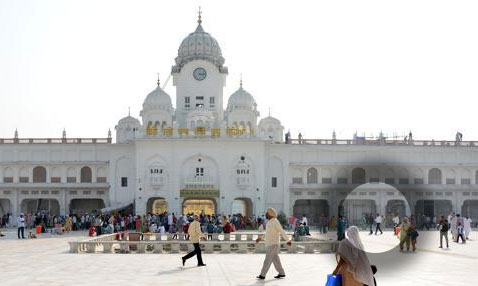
x,y
318,65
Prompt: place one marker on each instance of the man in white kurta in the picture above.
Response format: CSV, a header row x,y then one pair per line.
x,y
274,232
467,224
453,224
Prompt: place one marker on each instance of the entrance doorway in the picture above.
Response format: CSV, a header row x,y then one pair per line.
x,y
86,206
242,206
5,207
470,208
396,207
157,205
198,206
48,206
313,209
357,210
433,208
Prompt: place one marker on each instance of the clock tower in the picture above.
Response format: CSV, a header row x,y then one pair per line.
x,y
199,76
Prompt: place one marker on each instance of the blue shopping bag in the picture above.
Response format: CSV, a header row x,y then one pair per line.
x,y
334,280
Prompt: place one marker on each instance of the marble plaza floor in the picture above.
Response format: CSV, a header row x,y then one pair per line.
x,y
46,261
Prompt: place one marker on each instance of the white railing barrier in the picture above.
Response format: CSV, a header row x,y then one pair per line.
x,y
151,246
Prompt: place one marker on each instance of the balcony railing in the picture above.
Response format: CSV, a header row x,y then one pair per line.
x,y
55,140
384,142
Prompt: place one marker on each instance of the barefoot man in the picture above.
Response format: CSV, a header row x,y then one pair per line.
x,y
273,234
195,234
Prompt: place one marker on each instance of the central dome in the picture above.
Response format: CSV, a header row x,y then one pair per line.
x,y
199,45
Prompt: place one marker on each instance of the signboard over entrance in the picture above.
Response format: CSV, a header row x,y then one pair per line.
x,y
194,193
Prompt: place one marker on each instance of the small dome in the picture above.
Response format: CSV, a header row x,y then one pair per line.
x,y
269,120
241,99
157,99
199,45
129,120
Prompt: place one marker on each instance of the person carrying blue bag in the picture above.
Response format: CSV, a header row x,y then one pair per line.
x,y
353,265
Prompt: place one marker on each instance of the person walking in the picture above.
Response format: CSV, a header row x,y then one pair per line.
x,y
378,221
341,228
404,231
272,237
21,226
323,223
453,224
413,233
195,234
443,228
370,221
467,226
353,263
396,223
460,233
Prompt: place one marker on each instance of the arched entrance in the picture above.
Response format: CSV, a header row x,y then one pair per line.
x,y
242,206
433,208
313,209
5,206
199,205
86,206
48,206
157,205
470,208
397,207
356,210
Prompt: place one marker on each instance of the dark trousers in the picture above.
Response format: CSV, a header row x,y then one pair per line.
x,y
196,251
377,228
462,238
443,234
22,231
371,230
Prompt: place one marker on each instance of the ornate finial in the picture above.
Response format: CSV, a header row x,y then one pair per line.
x,y
109,133
199,16
241,81
64,134
129,111
269,111
16,133
158,80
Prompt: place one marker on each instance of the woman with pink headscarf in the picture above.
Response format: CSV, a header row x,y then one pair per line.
x,y
353,263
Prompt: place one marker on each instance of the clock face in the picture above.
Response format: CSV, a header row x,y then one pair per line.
x,y
199,74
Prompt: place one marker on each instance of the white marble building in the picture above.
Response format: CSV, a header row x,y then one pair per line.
x,y
196,155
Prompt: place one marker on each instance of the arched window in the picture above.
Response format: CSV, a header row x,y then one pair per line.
x,y
8,175
358,176
434,176
242,174
101,175
86,175
39,174
403,177
156,173
71,175
312,176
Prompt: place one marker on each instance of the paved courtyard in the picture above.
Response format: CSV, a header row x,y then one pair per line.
x,y
46,261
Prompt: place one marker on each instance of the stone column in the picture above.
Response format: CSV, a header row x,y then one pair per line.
x,y
15,204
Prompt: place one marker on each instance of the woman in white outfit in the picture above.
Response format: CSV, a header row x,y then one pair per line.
x,y
353,263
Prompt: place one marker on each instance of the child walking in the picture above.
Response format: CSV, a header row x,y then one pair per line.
x,y
460,233
413,236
